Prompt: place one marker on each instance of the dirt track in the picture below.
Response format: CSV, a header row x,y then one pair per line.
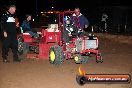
x,y
40,74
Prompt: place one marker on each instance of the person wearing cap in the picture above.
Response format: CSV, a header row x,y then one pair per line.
x,y
9,32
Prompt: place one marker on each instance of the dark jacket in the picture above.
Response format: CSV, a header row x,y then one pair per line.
x,y
7,23
79,21
26,26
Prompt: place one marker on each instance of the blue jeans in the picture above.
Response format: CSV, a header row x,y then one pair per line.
x,y
33,34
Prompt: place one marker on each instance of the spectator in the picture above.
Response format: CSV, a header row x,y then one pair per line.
x,y
8,27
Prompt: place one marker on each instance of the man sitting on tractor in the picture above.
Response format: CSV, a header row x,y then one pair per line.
x,y
79,22
26,27
68,29
74,25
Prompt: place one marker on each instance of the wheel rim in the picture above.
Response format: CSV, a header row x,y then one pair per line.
x,y
76,58
20,47
20,44
52,56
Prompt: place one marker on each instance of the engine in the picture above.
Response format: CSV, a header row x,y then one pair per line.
x,y
86,43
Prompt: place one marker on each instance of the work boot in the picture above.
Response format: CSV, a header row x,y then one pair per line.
x,y
16,59
5,60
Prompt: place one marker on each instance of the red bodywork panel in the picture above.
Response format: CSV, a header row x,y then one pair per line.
x,y
51,37
27,37
43,51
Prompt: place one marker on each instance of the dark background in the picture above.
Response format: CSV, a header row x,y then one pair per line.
x,y
119,12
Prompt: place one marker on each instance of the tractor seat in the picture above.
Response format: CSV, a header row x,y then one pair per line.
x,y
52,28
24,33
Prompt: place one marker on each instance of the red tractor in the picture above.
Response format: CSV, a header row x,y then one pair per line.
x,y
53,46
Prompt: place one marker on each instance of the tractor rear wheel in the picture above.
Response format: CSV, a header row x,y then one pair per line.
x,y
23,47
56,55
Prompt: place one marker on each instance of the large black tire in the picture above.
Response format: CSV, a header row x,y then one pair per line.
x,y
80,59
23,47
56,55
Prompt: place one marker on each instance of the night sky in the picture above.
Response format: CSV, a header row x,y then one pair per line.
x,y
92,9
87,7
31,6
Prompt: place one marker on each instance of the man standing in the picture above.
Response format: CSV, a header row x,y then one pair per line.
x,y
8,26
79,21
104,21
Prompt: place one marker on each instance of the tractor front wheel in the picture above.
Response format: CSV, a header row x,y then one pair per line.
x,y
80,59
